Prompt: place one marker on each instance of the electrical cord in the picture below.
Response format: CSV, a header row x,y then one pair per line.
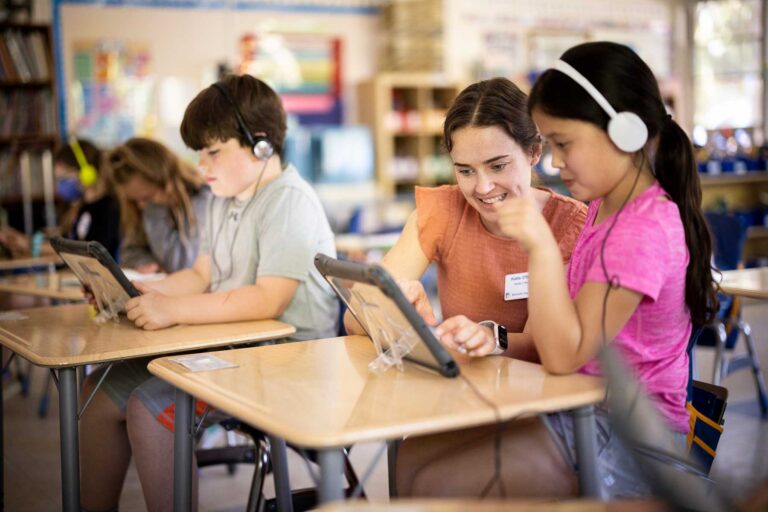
x,y
219,272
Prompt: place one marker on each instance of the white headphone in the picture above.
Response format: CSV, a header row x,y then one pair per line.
x,y
625,129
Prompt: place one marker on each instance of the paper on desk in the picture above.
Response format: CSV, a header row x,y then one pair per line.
x,y
202,362
134,275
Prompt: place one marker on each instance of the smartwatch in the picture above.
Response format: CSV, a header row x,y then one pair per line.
x,y
499,334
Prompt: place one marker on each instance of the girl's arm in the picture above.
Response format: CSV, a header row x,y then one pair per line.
x,y
567,333
406,262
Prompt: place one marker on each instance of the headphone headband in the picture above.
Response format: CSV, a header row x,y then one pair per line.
x,y
625,129
238,116
88,173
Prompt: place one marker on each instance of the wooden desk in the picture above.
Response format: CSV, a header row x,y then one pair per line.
x,y
65,337
750,282
320,394
513,505
29,263
52,285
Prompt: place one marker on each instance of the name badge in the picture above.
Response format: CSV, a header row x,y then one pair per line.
x,y
516,286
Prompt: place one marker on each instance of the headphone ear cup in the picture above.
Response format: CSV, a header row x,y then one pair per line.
x,y
262,148
88,175
628,132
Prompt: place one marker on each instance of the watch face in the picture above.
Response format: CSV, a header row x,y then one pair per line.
x,y
503,337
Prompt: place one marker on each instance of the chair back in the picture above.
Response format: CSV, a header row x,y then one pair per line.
x,y
730,235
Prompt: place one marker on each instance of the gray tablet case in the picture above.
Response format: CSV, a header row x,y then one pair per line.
x,y
90,261
380,307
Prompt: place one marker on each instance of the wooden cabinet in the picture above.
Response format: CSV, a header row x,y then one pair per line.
x,y
28,119
405,112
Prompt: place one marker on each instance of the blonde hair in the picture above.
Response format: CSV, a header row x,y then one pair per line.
x,y
160,167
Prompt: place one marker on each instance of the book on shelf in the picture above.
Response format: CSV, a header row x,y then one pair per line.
x,y
10,173
27,112
24,57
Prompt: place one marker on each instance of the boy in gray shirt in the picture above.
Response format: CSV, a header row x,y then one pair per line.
x,y
264,226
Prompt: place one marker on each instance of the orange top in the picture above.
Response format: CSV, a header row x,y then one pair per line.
x,y
472,263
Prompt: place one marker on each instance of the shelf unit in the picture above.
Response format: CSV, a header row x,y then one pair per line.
x,y
405,112
740,192
28,122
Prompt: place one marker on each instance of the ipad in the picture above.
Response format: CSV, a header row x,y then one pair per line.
x,y
380,307
91,261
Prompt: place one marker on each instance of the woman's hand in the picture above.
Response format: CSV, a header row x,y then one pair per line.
x,y
416,295
521,219
152,310
461,334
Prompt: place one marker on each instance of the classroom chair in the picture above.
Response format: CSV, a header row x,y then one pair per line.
x,y
730,235
706,405
259,454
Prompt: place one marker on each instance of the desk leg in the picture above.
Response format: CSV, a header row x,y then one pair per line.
x,y
331,471
2,432
70,443
279,456
392,447
585,432
182,452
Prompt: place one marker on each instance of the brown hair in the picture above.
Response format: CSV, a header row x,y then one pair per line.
x,y
494,102
211,117
160,167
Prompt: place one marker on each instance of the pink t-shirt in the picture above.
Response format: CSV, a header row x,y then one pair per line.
x,y
646,251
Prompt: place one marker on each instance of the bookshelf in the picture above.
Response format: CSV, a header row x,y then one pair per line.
x,y
405,112
28,122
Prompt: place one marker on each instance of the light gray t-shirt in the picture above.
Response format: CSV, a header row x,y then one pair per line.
x,y
165,245
276,233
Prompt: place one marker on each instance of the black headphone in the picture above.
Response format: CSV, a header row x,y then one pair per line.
x,y
260,145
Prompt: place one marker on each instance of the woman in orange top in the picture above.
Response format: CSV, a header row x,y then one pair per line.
x,y
481,273
482,276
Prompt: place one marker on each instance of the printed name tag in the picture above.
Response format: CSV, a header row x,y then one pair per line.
x,y
516,286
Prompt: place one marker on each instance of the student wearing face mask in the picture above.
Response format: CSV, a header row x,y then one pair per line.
x,y
92,211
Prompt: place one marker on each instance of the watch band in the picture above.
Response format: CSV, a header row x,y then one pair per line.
x,y
499,336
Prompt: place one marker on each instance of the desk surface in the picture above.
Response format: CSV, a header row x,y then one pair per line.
x,y
512,505
750,282
19,263
53,285
321,394
68,336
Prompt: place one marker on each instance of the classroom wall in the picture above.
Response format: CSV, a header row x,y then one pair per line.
x,y
186,44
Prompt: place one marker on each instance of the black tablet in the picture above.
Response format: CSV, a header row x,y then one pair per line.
x,y
380,307
90,261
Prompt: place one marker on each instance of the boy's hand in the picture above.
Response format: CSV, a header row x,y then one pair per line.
x,y
416,295
152,310
461,334
520,218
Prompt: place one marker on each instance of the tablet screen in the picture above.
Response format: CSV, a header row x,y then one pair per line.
x,y
388,318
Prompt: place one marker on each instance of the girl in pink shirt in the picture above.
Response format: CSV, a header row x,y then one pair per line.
x,y
639,275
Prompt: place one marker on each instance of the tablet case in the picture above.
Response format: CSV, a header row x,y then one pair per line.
x,y
439,359
90,260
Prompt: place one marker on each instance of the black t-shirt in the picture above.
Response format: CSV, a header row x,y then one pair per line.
x,y
100,222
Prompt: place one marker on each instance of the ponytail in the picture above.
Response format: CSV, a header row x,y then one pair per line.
x,y
676,171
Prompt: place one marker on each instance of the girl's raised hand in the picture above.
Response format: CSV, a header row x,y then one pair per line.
x,y
461,334
521,219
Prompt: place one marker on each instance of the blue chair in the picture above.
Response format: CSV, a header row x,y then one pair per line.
x,y
730,235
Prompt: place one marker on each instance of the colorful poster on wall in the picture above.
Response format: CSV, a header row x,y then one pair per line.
x,y
112,91
305,69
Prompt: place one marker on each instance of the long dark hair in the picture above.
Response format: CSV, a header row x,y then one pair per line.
x,y
494,102
629,85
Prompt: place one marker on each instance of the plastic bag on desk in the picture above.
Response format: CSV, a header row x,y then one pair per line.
x,y
105,293
392,341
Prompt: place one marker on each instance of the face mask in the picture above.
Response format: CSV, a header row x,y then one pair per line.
x,y
69,189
